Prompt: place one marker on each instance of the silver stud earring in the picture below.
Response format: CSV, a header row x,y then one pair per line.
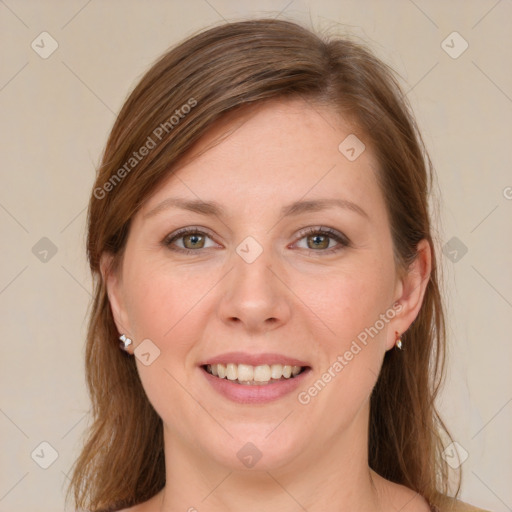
x,y
125,342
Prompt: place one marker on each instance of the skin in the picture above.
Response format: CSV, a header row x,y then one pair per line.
x,y
294,299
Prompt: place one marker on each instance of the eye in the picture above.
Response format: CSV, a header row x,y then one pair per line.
x,y
319,239
193,239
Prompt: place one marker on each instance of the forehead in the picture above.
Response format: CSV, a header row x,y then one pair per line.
x,y
277,150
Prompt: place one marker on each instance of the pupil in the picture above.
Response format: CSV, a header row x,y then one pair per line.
x,y
316,240
194,239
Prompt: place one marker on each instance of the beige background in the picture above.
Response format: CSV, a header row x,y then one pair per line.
x,y
56,115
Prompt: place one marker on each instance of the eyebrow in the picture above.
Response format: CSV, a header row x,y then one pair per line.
x,y
214,208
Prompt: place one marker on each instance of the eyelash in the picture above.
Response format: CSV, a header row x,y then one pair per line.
x,y
342,240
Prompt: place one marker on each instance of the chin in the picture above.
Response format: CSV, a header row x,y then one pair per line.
x,y
253,449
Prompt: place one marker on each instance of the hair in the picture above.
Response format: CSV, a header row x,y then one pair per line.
x,y
177,101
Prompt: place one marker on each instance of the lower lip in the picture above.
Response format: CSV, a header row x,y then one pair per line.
x,y
255,394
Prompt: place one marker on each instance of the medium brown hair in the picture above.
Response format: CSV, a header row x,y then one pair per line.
x,y
214,72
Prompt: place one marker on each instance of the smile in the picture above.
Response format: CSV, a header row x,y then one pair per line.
x,y
249,375
236,383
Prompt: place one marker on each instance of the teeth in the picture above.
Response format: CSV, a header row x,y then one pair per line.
x,y
262,373
276,371
231,372
247,374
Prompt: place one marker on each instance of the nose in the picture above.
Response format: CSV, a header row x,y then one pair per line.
x,y
255,295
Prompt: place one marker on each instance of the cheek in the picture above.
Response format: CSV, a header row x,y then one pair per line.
x,y
348,302
165,307
351,309
164,302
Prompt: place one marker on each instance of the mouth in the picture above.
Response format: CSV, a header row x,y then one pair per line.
x,y
249,375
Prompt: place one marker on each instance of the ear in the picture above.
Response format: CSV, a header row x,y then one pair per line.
x,y
410,292
113,284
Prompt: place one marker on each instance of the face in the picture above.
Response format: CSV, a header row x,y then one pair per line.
x,y
263,283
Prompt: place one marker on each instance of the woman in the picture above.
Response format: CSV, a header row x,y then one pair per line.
x,y
260,235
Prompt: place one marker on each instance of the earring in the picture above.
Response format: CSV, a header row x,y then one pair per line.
x,y
398,342
125,342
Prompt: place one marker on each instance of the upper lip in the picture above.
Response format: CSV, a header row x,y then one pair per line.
x,y
253,359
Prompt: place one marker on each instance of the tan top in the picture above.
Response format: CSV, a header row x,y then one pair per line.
x,y
457,506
